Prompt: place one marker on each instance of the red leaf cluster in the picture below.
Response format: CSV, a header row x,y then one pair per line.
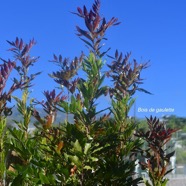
x,y
96,27
125,75
49,107
68,71
21,51
157,158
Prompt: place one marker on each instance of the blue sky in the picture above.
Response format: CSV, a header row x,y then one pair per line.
x,y
151,30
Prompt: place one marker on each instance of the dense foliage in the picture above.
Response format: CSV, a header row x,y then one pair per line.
x,y
94,149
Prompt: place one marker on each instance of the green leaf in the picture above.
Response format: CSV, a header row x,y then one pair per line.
x,y
87,147
147,183
91,89
164,182
43,178
75,160
17,134
86,103
132,101
99,63
18,180
51,179
65,171
77,146
66,156
64,105
78,106
94,158
88,167
73,104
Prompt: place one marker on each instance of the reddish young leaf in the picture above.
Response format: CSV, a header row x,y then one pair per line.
x,y
25,50
84,33
60,58
21,45
79,10
96,22
55,57
88,24
116,54
17,42
85,11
